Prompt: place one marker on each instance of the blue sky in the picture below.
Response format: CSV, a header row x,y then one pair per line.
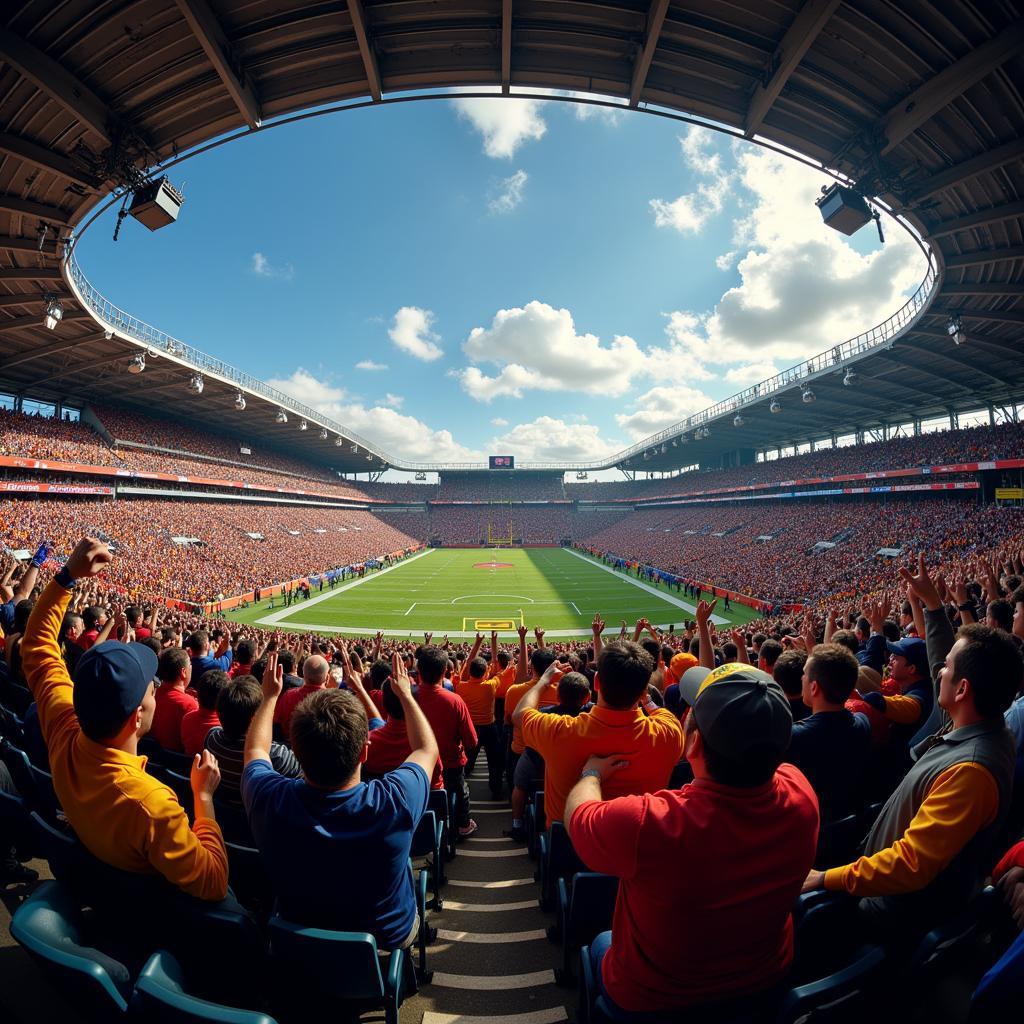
x,y
536,277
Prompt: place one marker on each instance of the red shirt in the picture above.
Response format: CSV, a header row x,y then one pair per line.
x,y
172,705
449,717
87,639
286,705
194,727
142,633
390,747
708,876
238,669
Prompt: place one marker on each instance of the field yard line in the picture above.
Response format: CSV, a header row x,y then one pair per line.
x,y
716,619
413,605
578,612
276,617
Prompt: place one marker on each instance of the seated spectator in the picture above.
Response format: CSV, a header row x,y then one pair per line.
x,y
245,655
789,674
173,698
528,671
912,705
70,630
316,676
236,704
573,700
831,745
768,654
650,739
390,745
932,844
196,724
331,824
124,816
708,873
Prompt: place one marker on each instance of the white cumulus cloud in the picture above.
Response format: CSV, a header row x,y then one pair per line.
x,y
548,439
509,194
505,124
393,401
398,435
690,212
660,407
369,364
410,331
262,267
499,421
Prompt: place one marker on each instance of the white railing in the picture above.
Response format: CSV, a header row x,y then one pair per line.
x,y
829,361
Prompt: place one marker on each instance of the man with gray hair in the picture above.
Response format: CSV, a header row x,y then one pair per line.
x,y
315,676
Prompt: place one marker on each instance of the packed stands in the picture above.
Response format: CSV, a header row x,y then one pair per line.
x,y
468,524
501,485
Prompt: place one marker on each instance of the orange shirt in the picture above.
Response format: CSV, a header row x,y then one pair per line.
x,y
506,677
124,816
479,697
512,699
652,744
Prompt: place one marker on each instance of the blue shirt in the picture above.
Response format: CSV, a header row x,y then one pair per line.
x,y
340,860
201,665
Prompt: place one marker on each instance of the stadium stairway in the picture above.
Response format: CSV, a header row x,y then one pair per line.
x,y
492,961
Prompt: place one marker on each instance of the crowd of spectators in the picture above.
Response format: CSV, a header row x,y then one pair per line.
x,y
474,524
222,560
905,713
768,549
500,485
940,448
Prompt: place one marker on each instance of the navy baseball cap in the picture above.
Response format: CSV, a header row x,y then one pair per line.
x,y
110,681
914,649
738,707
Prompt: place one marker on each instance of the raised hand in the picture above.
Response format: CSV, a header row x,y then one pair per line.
x,y
90,557
704,610
427,638
273,678
921,585
205,775
597,625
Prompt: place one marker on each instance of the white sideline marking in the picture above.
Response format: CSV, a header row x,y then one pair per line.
x,y
575,609
716,619
504,883
276,617
492,982
488,597
413,605
553,1016
487,938
519,852
489,908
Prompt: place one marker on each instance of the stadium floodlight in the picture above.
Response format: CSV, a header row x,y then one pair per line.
x,y
955,329
849,377
683,439
647,454
775,406
664,448
239,401
303,425
323,434
675,442
369,457
339,442
282,416
738,421
355,449
54,311
806,395
137,363
108,334
196,383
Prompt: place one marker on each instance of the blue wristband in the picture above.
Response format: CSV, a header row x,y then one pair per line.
x,y
65,579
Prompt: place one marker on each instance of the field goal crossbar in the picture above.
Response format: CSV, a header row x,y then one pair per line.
x,y
498,625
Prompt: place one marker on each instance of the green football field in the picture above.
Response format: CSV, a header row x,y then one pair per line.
x,y
460,592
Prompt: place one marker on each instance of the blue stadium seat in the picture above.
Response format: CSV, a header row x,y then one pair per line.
x,y
324,967
250,881
825,934
426,933
442,803
838,841
16,825
160,998
426,842
49,927
534,815
558,860
945,944
11,727
62,850
586,906
1000,993
838,998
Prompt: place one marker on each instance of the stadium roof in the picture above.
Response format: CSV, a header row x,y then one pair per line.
x,y
917,103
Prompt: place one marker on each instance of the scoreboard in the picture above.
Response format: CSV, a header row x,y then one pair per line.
x,y
502,462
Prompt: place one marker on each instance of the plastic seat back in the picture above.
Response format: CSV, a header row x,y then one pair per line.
x,y
839,997
16,825
160,997
47,925
344,966
838,841
1000,993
